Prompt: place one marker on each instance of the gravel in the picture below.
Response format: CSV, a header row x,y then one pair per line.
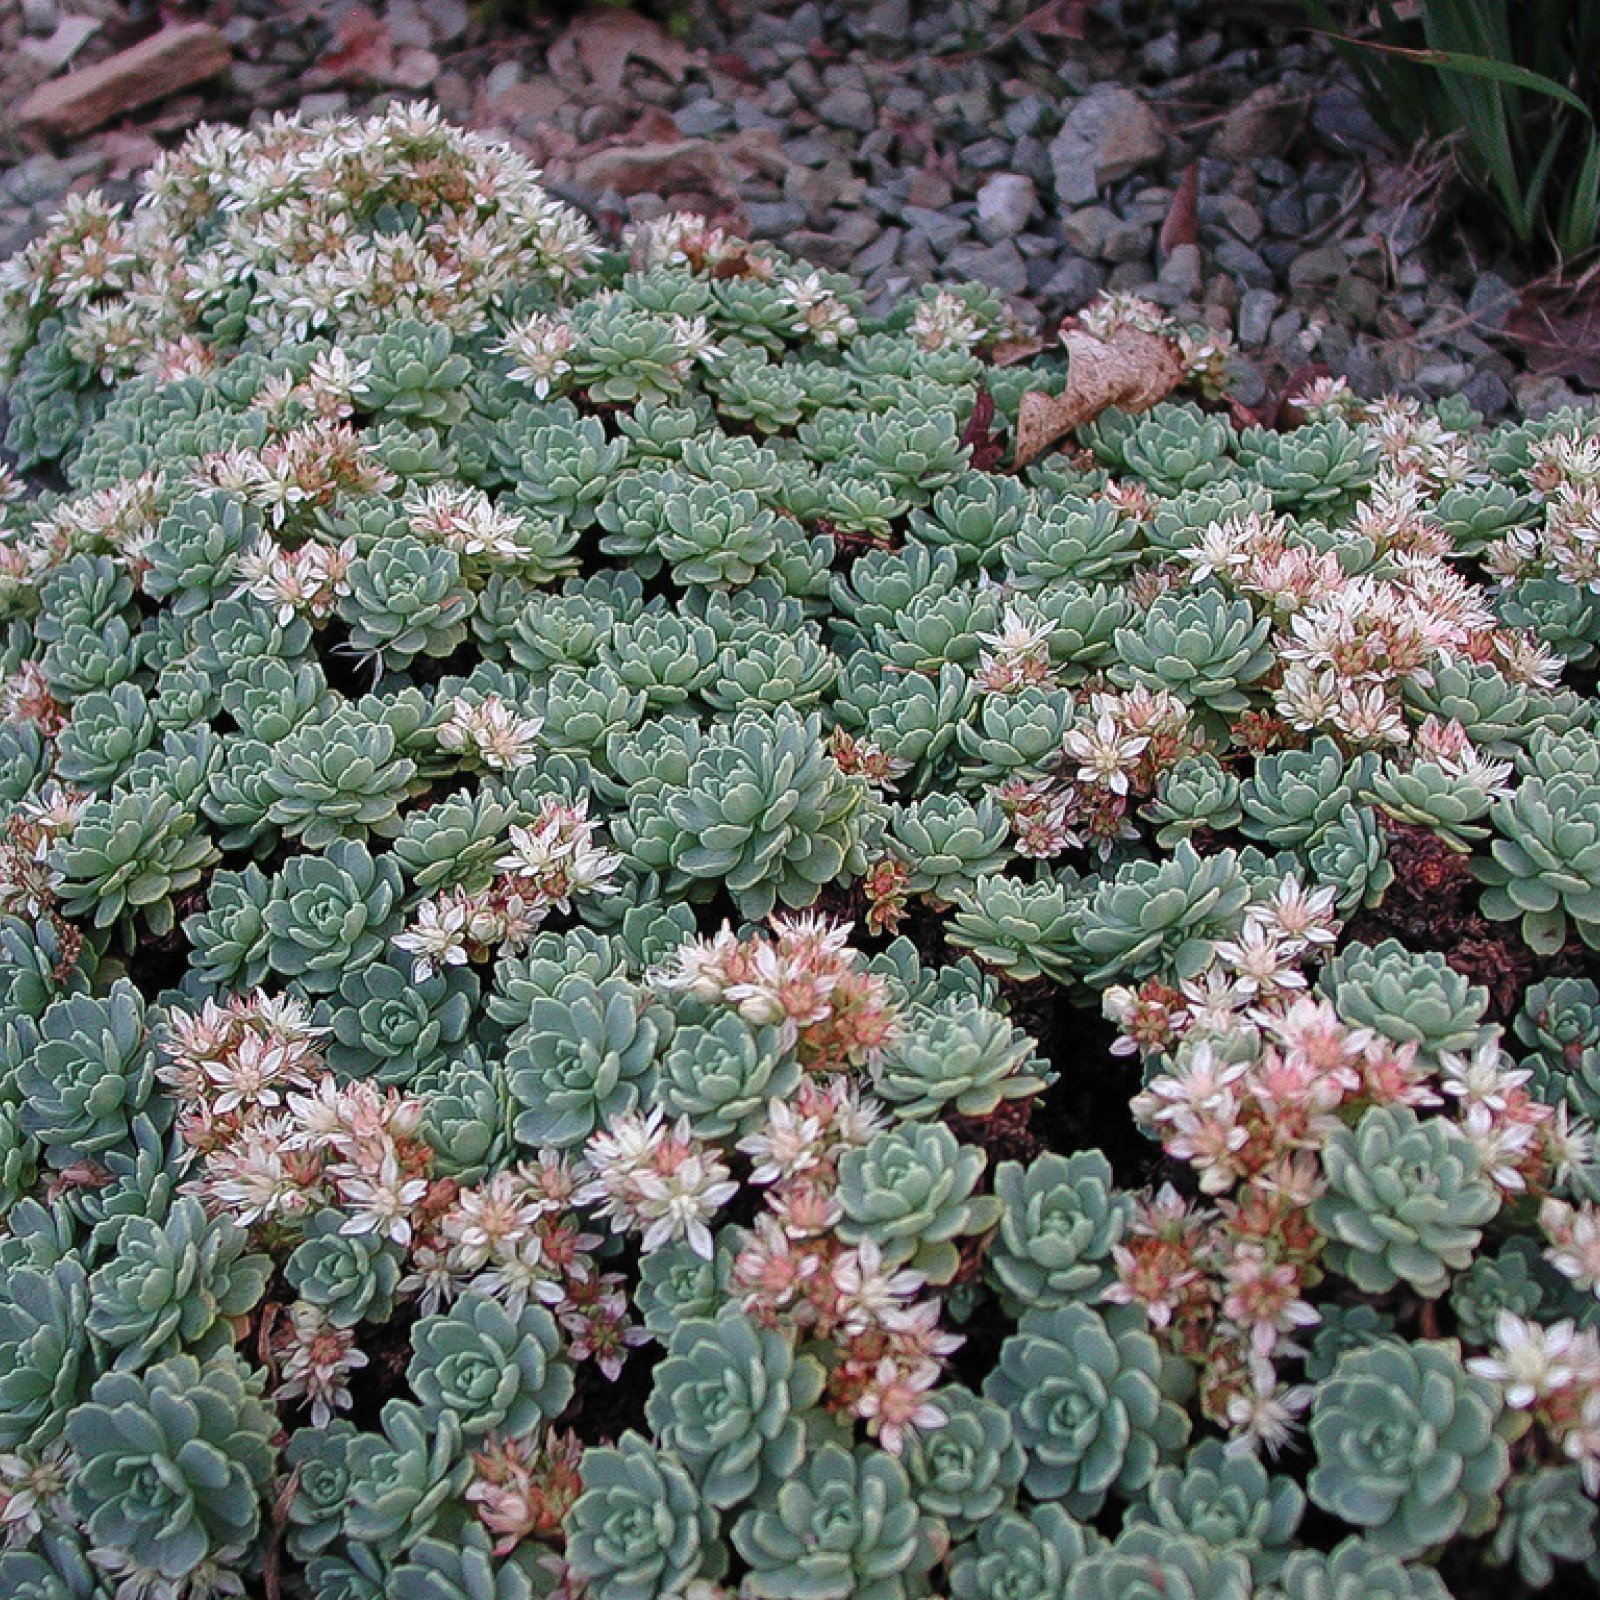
x,y
1228,172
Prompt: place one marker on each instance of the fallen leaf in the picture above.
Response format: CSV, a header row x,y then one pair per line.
x,y
1008,352
1558,331
361,50
1132,370
1057,19
602,43
980,435
1183,223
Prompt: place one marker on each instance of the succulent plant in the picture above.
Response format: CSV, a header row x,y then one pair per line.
x,y
173,1286
1026,1555
391,1025
1228,1502
331,914
764,810
1355,1570
1027,930
958,1055
489,1370
173,1463
90,1073
320,1459
729,1400
1061,1219
1410,1447
44,1345
1149,1563
966,1470
843,1524
1162,916
1546,1516
1406,996
348,1275
722,1075
1406,1201
1204,647
585,1053
911,1190
1544,866
640,1528
1084,1394
400,1480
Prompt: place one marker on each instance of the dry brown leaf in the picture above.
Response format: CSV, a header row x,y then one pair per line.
x,y
1183,223
1558,331
1131,370
604,42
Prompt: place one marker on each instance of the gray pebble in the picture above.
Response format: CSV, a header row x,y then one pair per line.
x,y
1257,308
1000,266
702,117
1490,302
1005,202
1085,230
1075,284
880,253
1107,134
1128,241
1181,270
773,221
939,228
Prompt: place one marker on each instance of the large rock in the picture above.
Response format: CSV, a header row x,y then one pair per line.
x,y
1108,134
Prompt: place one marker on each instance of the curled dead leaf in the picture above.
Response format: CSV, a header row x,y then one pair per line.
x,y
1131,370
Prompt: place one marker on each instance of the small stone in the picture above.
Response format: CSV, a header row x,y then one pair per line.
x,y
1024,116
1257,308
1163,56
928,190
888,21
848,108
1357,298
939,228
1032,156
1341,119
916,257
1321,208
499,78
1085,230
880,253
775,219
1286,214
1439,378
855,229
1241,218
39,18
1181,270
702,117
1222,297
1256,127
1326,264
1107,134
1128,241
987,154
1005,203
826,249
1075,284
1000,266
1286,328
1490,302
1249,385
1487,392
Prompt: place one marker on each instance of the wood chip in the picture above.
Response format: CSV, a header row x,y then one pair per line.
x,y
174,59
